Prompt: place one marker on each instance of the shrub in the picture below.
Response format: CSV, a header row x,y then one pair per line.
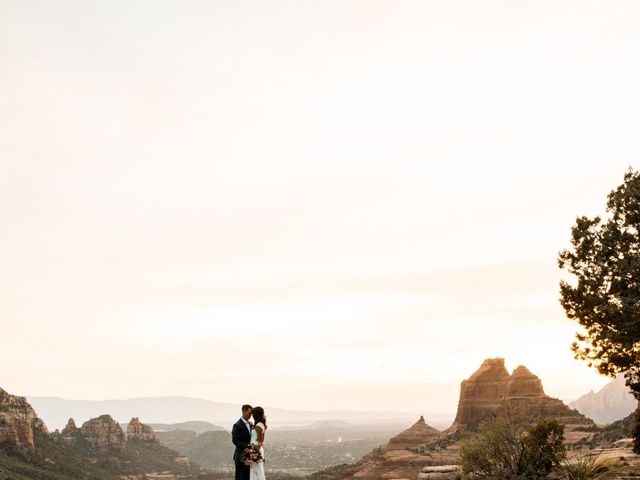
x,y
505,447
544,448
586,467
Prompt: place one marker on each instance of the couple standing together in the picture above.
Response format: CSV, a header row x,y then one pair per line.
x,y
249,438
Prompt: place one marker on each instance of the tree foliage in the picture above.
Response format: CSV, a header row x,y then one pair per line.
x,y
605,300
604,296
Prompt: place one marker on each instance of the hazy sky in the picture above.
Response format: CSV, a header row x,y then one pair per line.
x,y
330,204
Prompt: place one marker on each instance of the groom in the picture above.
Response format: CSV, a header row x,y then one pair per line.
x,y
241,437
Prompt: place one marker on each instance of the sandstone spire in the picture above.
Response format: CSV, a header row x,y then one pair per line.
x,y
104,434
137,429
523,383
492,390
396,459
70,432
415,436
482,392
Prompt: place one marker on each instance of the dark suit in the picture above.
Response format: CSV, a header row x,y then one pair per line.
x,y
241,437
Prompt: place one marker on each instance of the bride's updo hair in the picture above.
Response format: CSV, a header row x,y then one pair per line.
x,y
259,416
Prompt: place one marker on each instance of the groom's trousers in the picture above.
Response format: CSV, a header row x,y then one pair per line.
x,y
242,471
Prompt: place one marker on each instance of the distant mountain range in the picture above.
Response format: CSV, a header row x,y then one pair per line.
x,y
613,402
195,426
56,411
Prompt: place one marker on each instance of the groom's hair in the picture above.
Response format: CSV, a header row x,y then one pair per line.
x,y
246,407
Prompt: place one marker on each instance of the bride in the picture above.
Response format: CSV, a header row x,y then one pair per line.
x,y
257,441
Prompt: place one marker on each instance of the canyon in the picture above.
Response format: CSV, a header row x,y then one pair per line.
x,y
101,448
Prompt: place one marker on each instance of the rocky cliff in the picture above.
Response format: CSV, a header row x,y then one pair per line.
x,y
104,435
98,450
19,423
613,402
523,384
491,389
138,430
482,393
70,432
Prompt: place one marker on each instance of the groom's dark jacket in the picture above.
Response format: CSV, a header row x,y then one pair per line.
x,y
241,437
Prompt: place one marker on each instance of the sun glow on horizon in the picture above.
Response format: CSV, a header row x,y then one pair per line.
x,y
328,202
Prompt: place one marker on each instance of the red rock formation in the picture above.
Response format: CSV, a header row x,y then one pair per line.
x,y
482,393
70,433
524,384
397,459
103,434
525,396
18,422
491,389
70,427
137,429
416,436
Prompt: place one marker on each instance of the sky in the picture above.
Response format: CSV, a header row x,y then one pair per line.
x,y
308,205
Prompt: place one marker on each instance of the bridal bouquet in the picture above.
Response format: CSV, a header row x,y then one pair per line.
x,y
250,456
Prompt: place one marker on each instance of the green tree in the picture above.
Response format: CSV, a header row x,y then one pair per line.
x,y
604,294
507,447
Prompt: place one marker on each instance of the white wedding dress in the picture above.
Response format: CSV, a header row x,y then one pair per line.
x,y
257,469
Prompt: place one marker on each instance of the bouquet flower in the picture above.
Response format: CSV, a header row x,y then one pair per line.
x,y
250,456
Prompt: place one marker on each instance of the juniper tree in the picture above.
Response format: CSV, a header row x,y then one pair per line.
x,y
603,296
